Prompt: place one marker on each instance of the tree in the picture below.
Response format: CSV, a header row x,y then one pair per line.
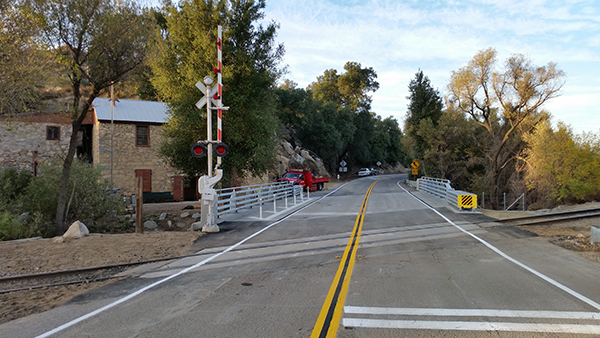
x,y
507,103
186,53
350,89
561,167
23,63
425,103
349,92
94,48
386,142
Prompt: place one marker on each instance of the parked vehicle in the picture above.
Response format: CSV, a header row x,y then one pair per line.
x,y
364,172
305,178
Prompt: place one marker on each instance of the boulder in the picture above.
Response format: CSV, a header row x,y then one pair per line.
x,y
77,230
196,215
162,216
150,225
196,226
184,215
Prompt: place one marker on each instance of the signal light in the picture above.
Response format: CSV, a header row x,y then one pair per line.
x,y
221,149
216,70
199,150
216,97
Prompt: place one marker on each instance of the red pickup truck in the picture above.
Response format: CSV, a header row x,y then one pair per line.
x,y
304,178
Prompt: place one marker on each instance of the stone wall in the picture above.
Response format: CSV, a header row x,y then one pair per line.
x,y
128,157
19,140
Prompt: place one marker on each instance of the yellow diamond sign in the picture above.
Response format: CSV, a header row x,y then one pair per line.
x,y
415,164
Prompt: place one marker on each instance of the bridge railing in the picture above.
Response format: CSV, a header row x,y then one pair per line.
x,y
441,188
238,198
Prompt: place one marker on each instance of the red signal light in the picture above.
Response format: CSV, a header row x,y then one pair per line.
x,y
216,96
199,150
221,149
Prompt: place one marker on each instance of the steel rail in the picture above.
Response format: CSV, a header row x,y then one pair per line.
x,y
553,217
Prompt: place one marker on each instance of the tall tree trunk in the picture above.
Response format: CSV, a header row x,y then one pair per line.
x,y
64,180
77,121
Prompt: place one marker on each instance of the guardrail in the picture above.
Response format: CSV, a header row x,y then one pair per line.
x,y
238,198
441,188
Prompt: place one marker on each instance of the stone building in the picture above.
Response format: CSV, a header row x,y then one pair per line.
x,y
28,140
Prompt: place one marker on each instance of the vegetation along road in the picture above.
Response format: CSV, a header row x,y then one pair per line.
x,y
372,258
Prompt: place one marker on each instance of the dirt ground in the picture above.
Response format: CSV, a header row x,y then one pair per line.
x,y
44,255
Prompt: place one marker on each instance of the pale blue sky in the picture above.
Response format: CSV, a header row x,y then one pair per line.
x,y
397,38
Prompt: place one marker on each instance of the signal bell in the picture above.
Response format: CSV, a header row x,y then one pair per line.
x,y
199,150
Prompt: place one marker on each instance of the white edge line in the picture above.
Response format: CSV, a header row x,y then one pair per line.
x,y
539,274
471,312
470,326
146,288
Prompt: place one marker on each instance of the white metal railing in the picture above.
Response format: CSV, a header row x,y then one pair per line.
x,y
238,198
441,188
435,186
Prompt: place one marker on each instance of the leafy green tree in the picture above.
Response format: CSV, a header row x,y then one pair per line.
x,y
386,142
349,92
24,64
455,150
186,53
94,48
425,103
506,102
350,89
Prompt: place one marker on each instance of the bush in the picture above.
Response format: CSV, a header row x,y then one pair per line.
x,y
88,197
12,184
88,200
15,227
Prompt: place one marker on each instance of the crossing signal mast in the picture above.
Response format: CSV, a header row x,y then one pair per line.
x,y
207,147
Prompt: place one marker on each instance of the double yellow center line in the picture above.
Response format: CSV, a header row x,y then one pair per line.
x,y
331,312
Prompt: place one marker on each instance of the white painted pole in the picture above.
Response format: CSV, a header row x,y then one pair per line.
x,y
208,83
220,89
112,132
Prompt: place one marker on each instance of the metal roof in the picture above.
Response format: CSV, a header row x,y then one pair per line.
x,y
131,110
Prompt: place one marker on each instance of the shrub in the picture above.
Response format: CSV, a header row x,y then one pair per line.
x,y
12,184
15,227
88,197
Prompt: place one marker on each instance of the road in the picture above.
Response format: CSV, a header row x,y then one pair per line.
x,y
367,260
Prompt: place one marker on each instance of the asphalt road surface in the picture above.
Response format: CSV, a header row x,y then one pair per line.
x,y
370,259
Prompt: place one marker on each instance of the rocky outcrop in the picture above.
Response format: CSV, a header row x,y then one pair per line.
x,y
300,158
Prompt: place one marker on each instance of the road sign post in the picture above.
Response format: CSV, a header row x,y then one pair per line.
x,y
415,165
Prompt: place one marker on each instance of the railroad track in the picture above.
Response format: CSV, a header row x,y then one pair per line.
x,y
558,217
70,277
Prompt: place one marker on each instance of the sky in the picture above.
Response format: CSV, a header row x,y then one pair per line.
x,y
399,38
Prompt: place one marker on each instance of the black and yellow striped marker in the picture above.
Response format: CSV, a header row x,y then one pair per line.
x,y
331,312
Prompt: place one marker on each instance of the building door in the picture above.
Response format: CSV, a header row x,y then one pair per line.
x,y
146,175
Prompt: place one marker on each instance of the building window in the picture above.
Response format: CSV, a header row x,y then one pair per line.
x,y
143,136
52,133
